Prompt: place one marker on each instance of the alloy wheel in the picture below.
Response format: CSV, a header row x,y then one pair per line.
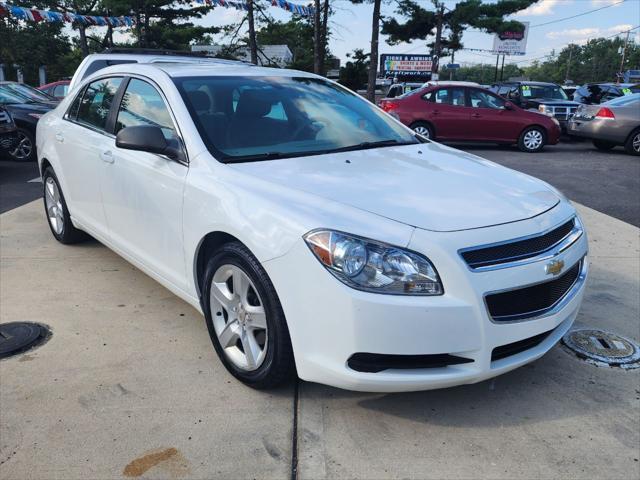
x,y
533,139
239,317
636,143
424,131
53,202
23,148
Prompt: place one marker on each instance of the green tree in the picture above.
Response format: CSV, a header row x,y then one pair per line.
x,y
354,74
447,25
32,45
597,60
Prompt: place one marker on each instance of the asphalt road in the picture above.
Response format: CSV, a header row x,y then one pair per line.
x,y
605,181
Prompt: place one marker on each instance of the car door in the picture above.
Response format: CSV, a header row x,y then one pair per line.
x,y
142,192
489,120
80,141
448,113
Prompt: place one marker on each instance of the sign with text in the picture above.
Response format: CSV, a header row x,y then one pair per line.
x,y
405,65
511,43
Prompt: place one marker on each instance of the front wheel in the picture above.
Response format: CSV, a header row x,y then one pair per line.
x,y
603,145
245,319
632,146
532,140
25,149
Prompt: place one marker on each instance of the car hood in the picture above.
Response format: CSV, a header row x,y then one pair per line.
x,y
29,107
428,186
555,102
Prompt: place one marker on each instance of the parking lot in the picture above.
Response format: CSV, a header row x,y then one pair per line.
x,y
129,385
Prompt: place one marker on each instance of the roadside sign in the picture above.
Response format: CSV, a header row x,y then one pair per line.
x,y
453,66
405,65
511,43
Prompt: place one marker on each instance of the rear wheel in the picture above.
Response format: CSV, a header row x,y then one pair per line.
x,y
245,319
632,146
424,129
532,140
603,145
57,212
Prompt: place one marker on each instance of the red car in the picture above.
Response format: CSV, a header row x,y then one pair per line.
x,y
56,89
466,113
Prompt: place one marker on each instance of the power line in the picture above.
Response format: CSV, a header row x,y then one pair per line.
x,y
577,15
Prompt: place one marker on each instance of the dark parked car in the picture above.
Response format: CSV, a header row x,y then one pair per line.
x,y
25,113
547,98
465,113
616,122
28,92
8,132
596,93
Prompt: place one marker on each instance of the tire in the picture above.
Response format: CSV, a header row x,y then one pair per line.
x,y
272,362
55,208
25,149
424,129
532,140
632,145
603,145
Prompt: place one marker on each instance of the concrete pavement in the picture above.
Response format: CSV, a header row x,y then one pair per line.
x,y
129,386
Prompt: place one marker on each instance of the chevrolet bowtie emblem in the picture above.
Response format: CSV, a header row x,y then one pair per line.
x,y
554,267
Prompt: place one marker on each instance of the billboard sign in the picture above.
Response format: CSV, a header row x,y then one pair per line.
x,y
511,43
405,65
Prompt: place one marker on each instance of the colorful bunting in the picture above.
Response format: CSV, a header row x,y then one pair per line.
x,y
34,15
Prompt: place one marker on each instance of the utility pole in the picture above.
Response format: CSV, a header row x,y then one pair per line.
x,y
566,77
624,52
502,69
495,78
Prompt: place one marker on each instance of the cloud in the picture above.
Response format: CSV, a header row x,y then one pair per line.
x,y
544,7
599,3
582,35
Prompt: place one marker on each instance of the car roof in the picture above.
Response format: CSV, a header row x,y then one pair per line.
x,y
153,56
525,82
177,70
440,83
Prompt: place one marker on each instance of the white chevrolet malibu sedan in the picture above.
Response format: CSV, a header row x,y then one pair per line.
x,y
318,236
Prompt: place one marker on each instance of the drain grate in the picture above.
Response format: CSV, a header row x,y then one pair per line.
x,y
600,347
18,337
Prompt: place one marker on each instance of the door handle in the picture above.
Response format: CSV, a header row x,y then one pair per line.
x,y
59,137
107,156
476,115
436,112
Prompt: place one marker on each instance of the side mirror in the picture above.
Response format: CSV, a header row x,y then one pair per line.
x,y
147,138
509,106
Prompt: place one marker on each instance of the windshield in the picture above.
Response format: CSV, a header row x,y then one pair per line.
x,y
7,97
553,92
262,118
28,92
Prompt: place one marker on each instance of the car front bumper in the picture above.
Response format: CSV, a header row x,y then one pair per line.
x,y
330,322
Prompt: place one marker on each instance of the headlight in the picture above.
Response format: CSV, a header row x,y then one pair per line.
x,y
547,110
374,266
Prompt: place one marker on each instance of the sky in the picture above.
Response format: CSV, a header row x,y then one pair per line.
x,y
351,27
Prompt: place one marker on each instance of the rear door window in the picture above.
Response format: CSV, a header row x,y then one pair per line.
x,y
449,96
96,102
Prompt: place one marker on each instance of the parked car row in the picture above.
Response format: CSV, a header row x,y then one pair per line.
x,y
527,114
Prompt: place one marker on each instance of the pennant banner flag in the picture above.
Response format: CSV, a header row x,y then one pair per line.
x,y
34,15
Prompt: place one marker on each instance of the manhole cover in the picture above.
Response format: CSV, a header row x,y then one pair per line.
x,y
17,337
603,347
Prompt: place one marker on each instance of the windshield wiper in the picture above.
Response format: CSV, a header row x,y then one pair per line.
x,y
368,145
258,157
